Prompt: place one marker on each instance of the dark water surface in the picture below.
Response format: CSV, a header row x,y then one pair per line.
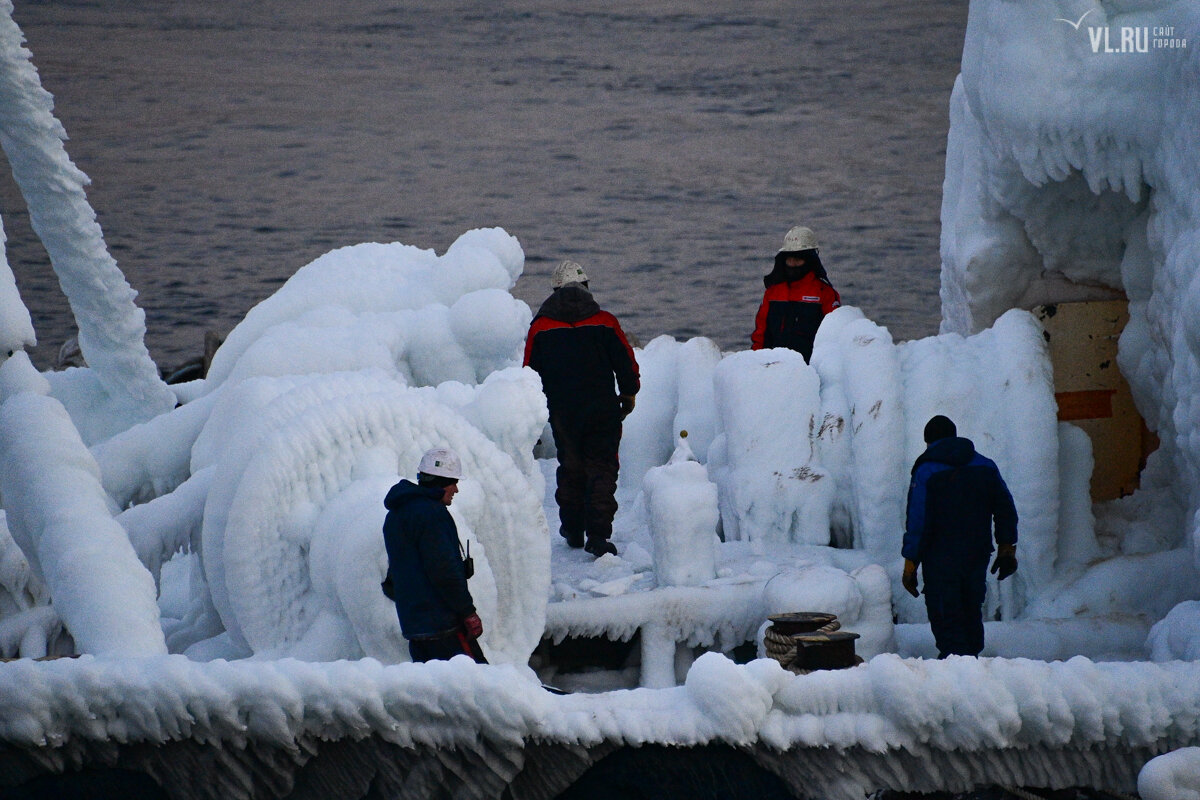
x,y
667,146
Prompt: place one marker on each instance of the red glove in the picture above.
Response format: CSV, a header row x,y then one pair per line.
x,y
474,626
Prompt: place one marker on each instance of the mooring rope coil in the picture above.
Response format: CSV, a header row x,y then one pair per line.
x,y
783,648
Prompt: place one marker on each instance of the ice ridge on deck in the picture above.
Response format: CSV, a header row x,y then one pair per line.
x,y
893,723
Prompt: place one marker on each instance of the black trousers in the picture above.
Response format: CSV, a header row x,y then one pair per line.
x,y
444,648
954,601
587,473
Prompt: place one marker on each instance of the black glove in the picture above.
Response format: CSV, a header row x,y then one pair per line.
x,y
386,586
627,403
1006,561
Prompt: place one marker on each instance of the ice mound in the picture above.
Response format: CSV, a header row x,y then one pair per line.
x,y
424,317
273,471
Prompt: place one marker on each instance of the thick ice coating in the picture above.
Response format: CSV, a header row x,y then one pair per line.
x,y
1070,174
256,505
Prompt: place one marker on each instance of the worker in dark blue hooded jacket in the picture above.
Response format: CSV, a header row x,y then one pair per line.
x,y
955,496
427,569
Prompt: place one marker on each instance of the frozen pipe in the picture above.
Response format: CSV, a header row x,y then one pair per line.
x,y
59,515
28,633
685,657
682,503
111,328
658,657
16,328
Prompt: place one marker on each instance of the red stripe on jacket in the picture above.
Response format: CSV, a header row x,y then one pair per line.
x,y
542,324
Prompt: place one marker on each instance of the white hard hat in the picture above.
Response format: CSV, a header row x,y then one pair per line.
x,y
441,462
567,272
797,239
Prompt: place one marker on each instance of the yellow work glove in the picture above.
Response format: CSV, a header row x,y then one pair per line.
x,y
1006,561
909,578
627,403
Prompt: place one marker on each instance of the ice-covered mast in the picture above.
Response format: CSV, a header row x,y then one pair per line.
x,y
111,328
54,504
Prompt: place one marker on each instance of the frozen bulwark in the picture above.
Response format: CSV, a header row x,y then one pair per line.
x,y
457,729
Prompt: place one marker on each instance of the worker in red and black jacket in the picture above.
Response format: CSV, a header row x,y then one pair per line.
x,y
798,296
590,377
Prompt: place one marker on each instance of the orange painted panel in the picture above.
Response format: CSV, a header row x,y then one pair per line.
x,y
1091,404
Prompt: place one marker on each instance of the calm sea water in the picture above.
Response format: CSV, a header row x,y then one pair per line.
x,y
667,146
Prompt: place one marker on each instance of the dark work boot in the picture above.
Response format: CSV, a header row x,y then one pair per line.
x,y
599,547
574,538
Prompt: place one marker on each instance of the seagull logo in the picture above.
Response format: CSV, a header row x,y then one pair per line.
x,y
1075,25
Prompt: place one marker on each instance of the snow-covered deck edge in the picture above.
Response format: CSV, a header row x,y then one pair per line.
x,y
891,723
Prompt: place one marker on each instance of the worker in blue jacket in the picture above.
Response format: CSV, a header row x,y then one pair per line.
x,y
427,569
955,496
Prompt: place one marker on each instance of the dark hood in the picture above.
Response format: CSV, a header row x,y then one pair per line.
x,y
572,303
780,273
406,491
953,450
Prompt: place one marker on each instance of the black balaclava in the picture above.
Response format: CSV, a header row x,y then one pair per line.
x,y
434,481
781,272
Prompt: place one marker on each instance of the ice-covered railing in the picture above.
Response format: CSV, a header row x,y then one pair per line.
x,y
820,453
893,723
1071,173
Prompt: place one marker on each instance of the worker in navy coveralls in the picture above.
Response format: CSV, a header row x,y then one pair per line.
x,y
953,499
427,570
590,377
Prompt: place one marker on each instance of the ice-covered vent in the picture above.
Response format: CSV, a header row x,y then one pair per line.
x,y
682,506
1071,172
